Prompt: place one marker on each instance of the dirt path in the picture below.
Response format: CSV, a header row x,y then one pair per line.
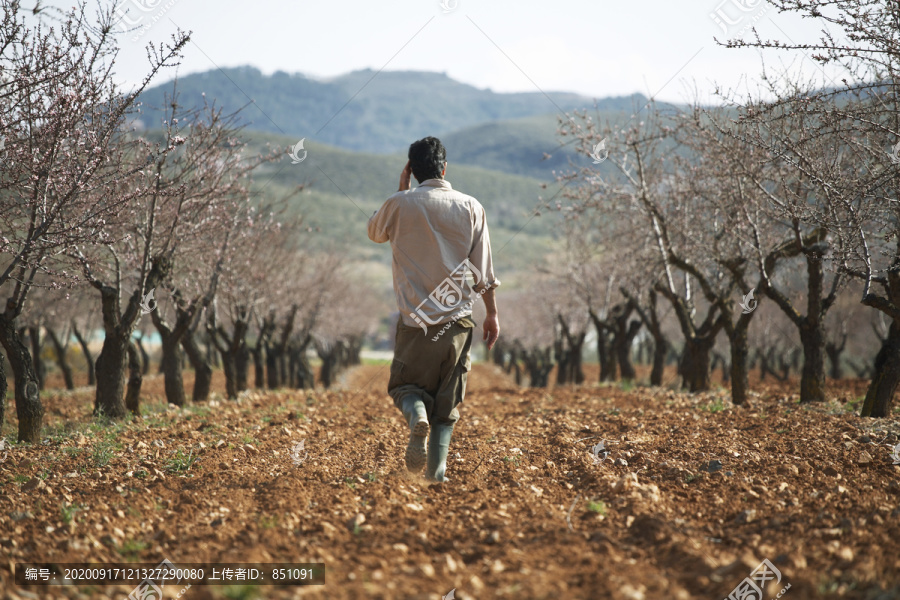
x,y
708,493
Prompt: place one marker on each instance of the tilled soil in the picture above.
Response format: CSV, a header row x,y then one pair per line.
x,y
693,495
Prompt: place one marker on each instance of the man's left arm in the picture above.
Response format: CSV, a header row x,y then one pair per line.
x,y
492,320
480,255
481,259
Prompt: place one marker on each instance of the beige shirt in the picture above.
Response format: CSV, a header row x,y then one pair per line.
x,y
438,236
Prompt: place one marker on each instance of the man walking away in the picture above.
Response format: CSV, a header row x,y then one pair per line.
x,y
438,237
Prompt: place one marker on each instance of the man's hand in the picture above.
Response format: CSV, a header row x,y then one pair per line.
x,y
404,177
491,330
491,321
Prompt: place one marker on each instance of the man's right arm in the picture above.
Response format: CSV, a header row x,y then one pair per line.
x,y
378,224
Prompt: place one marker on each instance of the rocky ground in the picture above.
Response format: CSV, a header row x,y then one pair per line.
x,y
693,495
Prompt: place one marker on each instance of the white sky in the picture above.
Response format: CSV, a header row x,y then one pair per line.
x,y
596,48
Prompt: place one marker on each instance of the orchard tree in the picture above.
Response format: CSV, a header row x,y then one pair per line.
x,y
296,284
259,284
341,322
64,175
802,206
198,229
596,258
731,182
849,150
183,200
55,311
529,331
643,180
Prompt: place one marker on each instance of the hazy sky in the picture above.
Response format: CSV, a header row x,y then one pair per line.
x,y
596,48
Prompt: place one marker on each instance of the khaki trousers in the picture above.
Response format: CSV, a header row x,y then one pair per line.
x,y
434,370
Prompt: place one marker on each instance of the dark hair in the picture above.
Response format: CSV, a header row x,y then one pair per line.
x,y
426,158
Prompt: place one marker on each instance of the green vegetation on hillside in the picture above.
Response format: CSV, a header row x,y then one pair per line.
x,y
362,110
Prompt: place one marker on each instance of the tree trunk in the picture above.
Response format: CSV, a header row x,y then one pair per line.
x,y
354,351
61,360
726,370
623,336
765,366
170,361
647,351
328,354
29,409
88,359
302,376
886,376
259,371
202,370
111,376
698,341
145,358
306,379
279,373
740,354
562,368
812,380
118,327
170,364
230,376
210,350
234,352
834,352
40,369
695,364
241,367
650,319
280,361
273,378
135,379
2,391
575,364
517,370
539,364
623,341
659,361
562,362
605,354
213,357
293,367
569,368
174,338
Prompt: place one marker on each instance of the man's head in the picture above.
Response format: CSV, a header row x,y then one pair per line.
x,y
427,159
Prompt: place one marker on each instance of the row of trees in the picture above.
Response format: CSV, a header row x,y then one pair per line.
x,y
790,197
540,343
273,342
98,221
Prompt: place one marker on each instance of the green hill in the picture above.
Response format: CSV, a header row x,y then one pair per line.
x,y
528,146
362,110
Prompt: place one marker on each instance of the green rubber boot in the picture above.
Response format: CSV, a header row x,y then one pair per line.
x,y
438,447
417,419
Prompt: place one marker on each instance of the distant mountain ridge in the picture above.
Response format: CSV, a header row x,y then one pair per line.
x,y
364,110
